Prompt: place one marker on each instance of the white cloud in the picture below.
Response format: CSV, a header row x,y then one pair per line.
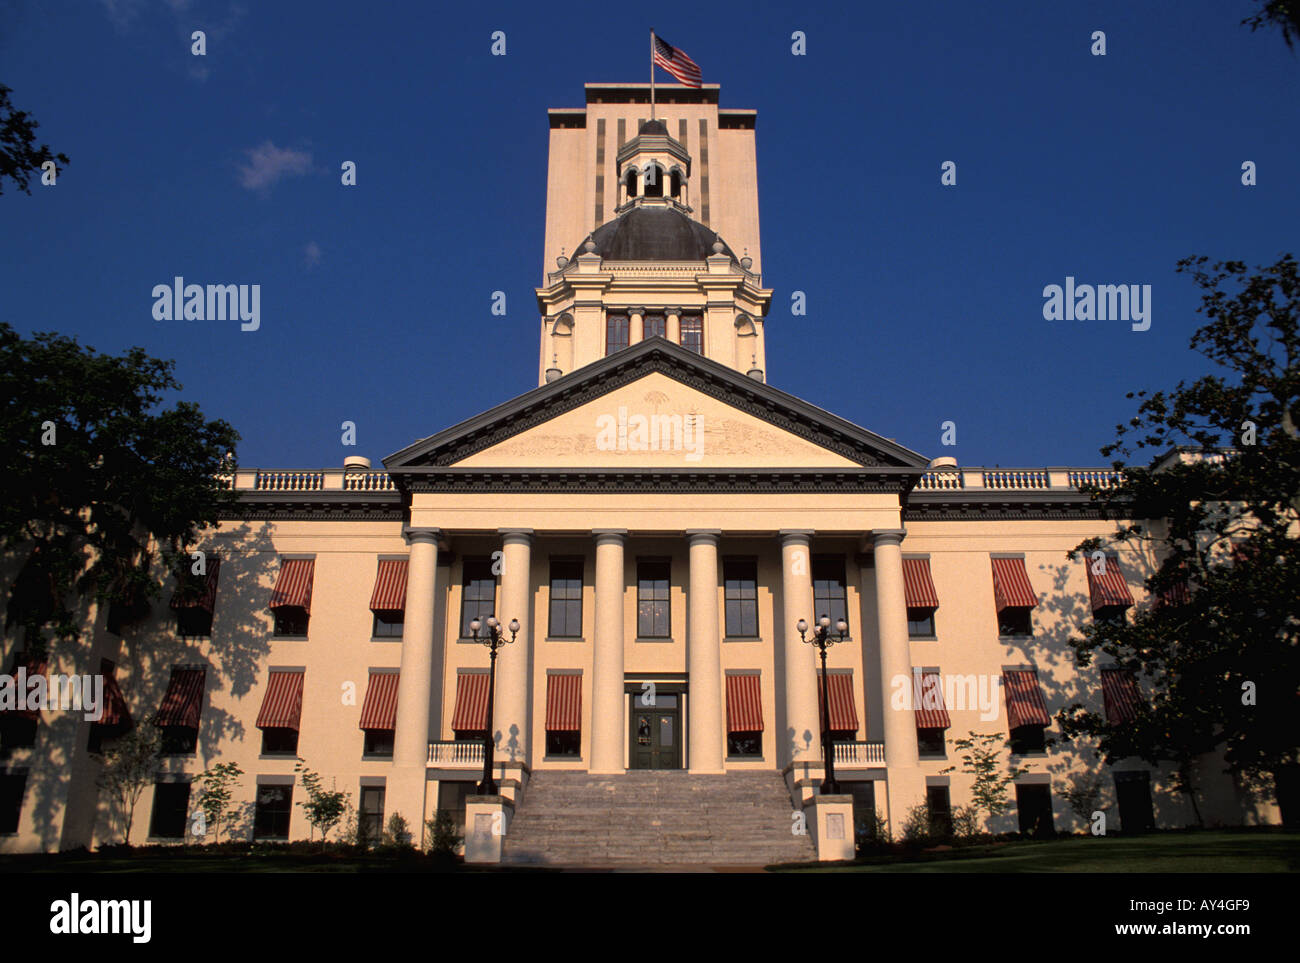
x,y
268,163
311,254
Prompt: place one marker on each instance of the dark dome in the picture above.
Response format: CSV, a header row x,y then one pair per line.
x,y
653,127
654,234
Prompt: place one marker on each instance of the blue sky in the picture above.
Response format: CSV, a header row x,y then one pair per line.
x,y
924,301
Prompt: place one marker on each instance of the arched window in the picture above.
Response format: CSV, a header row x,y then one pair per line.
x,y
630,177
562,342
675,183
655,326
746,342
654,181
616,333
692,330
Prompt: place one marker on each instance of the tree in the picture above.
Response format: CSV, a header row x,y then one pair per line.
x,y
442,835
1282,14
980,757
1218,507
20,158
324,807
130,767
100,477
215,794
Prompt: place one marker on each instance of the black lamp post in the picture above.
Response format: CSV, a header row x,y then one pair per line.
x,y
823,639
494,641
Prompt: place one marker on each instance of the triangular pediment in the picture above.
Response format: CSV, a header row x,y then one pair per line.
x,y
656,406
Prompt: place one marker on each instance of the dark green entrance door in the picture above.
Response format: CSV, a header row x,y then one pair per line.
x,y
656,734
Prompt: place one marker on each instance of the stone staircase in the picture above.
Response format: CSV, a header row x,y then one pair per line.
x,y
655,818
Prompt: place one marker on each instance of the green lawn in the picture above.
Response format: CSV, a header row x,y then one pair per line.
x,y
1211,851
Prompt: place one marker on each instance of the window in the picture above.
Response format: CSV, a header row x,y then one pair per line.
x,y
1028,739
742,744
479,596
920,623
828,589
630,176
171,801
16,732
692,327
940,806
653,618
12,787
1114,614
566,598
451,797
179,740
564,743
740,594
379,742
1015,620
655,326
1034,807
616,333
195,621
388,624
279,742
290,620
676,183
931,743
271,812
370,821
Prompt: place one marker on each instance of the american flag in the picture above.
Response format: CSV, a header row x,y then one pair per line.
x,y
676,62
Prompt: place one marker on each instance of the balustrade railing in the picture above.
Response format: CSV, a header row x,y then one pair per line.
x,y
456,752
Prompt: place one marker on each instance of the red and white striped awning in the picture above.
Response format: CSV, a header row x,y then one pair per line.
x,y
1119,689
1107,587
379,710
390,586
744,704
1175,593
197,591
34,666
931,713
917,584
293,587
1011,588
1025,706
843,713
182,704
115,711
470,714
282,704
563,703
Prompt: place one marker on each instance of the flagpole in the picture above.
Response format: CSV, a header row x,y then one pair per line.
x,y
652,75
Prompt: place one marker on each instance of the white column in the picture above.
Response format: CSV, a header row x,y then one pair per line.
x,y
801,740
674,325
608,731
635,328
411,739
704,658
515,662
906,783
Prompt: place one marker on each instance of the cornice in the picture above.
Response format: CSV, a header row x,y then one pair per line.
x,y
646,481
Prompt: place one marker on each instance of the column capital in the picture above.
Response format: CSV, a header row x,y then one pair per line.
x,y
636,310
789,535
675,309
414,534
609,533
711,534
516,534
888,536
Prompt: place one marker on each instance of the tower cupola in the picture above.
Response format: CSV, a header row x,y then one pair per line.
x,y
654,169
